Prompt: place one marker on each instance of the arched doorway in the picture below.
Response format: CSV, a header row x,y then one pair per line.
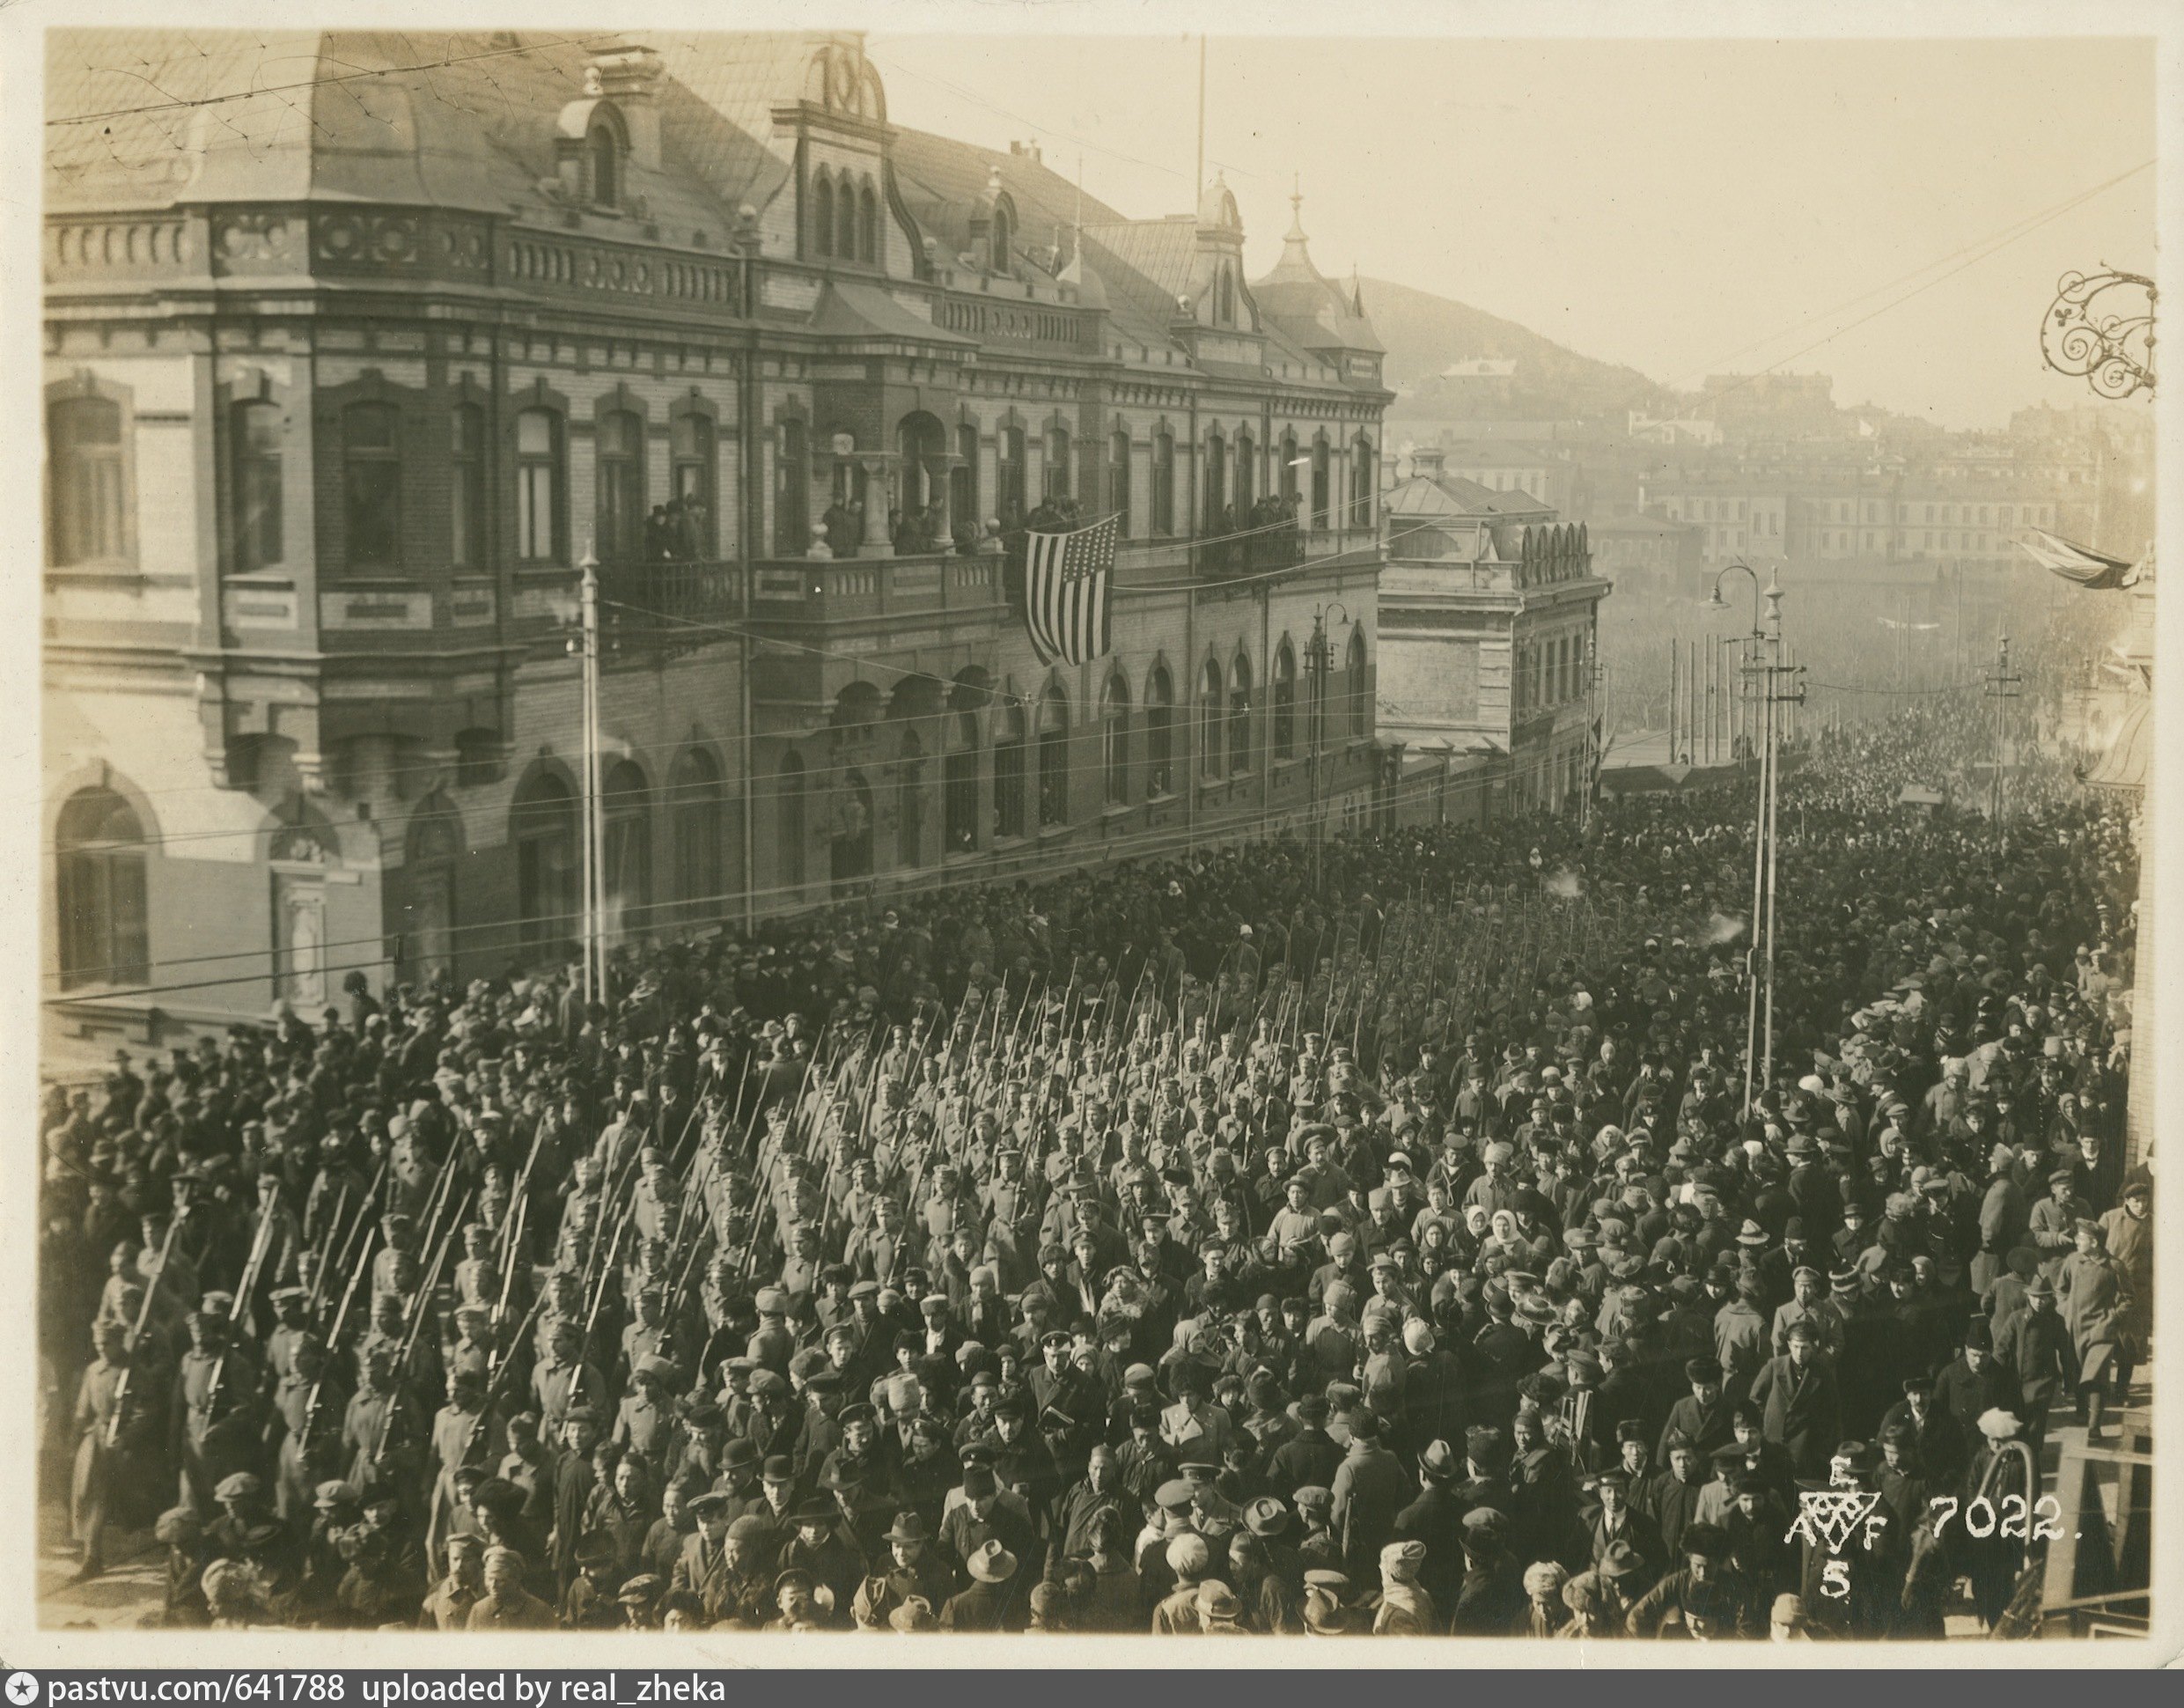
x,y
99,849
542,825
429,857
850,836
626,807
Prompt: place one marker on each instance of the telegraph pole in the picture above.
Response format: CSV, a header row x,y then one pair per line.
x,y
587,645
2001,687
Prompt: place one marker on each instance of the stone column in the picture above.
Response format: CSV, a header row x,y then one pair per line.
x,y
878,543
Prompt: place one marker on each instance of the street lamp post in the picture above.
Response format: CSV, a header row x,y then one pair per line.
x,y
586,645
1763,824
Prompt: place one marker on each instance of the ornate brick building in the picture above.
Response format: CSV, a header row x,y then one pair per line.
x,y
355,351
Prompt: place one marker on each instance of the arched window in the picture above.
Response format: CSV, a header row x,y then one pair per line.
x,y
789,826
619,521
1240,715
1361,483
694,812
1288,476
1004,240
959,783
606,166
823,214
371,486
845,221
690,444
1011,476
466,486
910,802
538,534
1055,478
1054,757
868,224
1247,476
1217,481
1354,686
792,490
1118,477
1224,299
1212,719
1284,701
1159,733
963,478
99,849
1164,481
1114,739
90,499
1322,475
543,827
1009,762
257,497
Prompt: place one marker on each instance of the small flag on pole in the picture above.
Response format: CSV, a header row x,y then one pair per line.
x,y
2079,563
1067,592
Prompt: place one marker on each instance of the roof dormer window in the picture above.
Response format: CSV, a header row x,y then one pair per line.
x,y
603,152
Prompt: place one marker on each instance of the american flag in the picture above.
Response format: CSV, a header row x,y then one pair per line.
x,y
1066,592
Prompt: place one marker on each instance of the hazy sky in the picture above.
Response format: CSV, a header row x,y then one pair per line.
x,y
1683,207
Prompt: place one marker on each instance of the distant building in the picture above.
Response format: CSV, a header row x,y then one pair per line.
x,y
1490,618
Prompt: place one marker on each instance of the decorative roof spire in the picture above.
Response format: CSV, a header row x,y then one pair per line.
x,y
1297,209
1356,296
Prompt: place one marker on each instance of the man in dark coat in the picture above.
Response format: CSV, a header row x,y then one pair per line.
x,y
1799,1407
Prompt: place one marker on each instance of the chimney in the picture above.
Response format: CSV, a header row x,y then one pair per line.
x,y
1028,150
630,78
1429,463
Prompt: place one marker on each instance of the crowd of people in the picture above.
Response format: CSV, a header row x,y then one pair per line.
x,y
1221,1245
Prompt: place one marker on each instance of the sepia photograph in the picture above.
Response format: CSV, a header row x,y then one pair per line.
x,y
1029,827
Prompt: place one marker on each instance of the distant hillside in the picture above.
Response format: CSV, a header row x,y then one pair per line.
x,y
1424,333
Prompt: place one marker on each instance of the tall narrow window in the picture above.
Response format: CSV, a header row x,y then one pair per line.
x,y
792,491
1008,764
1285,702
1216,482
1054,758
868,224
620,518
257,485
823,216
1004,240
373,486
91,495
1322,475
1163,482
690,444
1012,473
1212,720
538,487
788,827
606,166
466,486
963,478
1119,478
1114,739
1289,467
1159,733
845,221
100,858
1240,715
694,812
1224,299
1361,483
1054,478
543,825
1247,476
